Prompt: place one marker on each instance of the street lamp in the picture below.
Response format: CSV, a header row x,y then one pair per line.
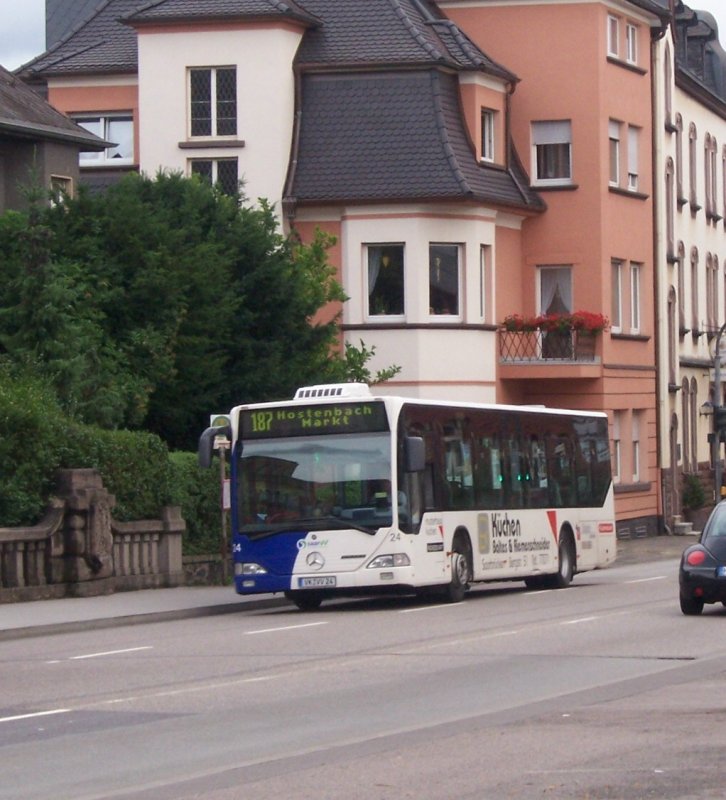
x,y
719,414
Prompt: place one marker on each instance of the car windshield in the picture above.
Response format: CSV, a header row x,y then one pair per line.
x,y
314,483
716,526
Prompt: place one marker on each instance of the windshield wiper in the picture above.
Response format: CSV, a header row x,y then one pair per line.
x,y
263,529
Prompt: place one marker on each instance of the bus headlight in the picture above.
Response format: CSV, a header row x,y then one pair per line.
x,y
249,569
390,560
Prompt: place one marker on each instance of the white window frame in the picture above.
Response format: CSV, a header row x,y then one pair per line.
x,y
370,284
617,454
458,250
613,36
635,435
61,186
485,279
214,113
488,116
614,145
215,167
635,285
633,156
616,313
631,43
552,133
100,124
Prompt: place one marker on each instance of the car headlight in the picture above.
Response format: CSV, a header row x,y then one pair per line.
x,y
390,560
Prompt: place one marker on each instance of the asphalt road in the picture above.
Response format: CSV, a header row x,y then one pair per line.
x,y
603,690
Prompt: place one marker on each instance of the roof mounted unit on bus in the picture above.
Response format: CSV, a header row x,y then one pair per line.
x,y
333,390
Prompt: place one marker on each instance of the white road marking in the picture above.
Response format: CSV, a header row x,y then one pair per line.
x,y
285,628
428,608
36,714
110,653
577,621
647,580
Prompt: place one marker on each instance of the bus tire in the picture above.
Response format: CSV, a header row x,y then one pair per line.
x,y
460,571
565,563
305,601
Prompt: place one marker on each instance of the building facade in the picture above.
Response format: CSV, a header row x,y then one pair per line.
x,y
690,158
476,161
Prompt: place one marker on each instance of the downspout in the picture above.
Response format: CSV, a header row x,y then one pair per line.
x,y
656,36
289,202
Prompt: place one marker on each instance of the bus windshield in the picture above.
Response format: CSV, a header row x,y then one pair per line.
x,y
314,483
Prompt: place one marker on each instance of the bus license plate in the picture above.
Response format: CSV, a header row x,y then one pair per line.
x,y
317,582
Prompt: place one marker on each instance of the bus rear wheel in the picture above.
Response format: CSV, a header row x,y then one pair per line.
x,y
566,564
305,601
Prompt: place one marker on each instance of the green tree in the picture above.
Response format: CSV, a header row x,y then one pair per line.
x,y
162,300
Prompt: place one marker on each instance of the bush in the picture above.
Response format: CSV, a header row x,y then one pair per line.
x,y
694,496
37,439
197,491
29,431
134,467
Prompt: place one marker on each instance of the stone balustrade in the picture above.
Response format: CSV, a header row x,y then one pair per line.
x,y
78,549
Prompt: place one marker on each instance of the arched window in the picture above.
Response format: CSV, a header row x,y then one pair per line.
x,y
685,416
692,166
707,164
679,161
670,204
671,336
681,288
667,85
693,421
694,291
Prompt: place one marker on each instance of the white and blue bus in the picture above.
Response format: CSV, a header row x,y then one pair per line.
x,y
340,492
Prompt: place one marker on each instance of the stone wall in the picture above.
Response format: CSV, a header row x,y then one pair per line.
x,y
78,549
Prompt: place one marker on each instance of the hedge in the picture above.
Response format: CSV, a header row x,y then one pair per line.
x,y
37,439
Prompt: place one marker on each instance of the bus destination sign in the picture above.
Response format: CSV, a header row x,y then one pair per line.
x,y
266,423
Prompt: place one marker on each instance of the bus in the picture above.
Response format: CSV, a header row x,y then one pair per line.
x,y
339,492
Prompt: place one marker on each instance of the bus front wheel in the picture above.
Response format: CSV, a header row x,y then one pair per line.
x,y
305,601
460,572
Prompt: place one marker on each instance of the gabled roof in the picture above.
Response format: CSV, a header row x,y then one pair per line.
x,y
394,136
25,115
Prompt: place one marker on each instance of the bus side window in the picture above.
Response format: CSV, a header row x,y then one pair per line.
x,y
561,473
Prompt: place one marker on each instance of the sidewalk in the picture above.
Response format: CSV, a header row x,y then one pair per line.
x,y
43,617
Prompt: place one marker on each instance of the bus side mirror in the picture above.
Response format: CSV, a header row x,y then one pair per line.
x,y
414,452
206,444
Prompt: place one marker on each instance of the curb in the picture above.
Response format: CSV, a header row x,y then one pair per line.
x,y
139,619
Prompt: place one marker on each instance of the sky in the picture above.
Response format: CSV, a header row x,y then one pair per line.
x,y
22,28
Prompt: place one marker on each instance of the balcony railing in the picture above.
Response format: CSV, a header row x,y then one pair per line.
x,y
535,347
